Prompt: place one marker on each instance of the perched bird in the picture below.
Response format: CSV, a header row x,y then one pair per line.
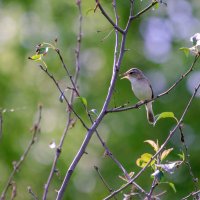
x,y
141,88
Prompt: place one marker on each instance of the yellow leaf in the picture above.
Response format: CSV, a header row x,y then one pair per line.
x,y
144,159
165,153
153,144
36,57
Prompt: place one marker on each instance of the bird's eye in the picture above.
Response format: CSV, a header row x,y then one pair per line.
x,y
131,73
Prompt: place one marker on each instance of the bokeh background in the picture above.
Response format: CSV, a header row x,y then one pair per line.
x,y
153,42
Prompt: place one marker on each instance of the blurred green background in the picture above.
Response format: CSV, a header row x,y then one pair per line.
x,y
153,42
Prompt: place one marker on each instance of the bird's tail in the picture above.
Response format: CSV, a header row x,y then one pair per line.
x,y
150,115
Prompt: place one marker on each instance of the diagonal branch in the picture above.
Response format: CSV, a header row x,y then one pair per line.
x,y
172,132
145,9
108,18
69,105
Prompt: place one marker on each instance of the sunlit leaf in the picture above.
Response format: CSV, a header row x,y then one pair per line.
x,y
165,153
164,115
169,168
83,100
153,144
172,186
36,57
158,175
185,50
144,159
156,6
182,156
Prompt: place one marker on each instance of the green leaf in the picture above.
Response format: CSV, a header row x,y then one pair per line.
x,y
165,153
36,57
144,159
43,50
172,186
83,100
153,144
156,6
185,50
164,115
182,156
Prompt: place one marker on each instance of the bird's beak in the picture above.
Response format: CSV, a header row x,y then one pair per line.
x,y
123,76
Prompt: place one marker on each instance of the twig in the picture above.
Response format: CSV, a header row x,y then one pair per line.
x,y
153,186
187,161
17,165
137,105
191,194
108,152
58,87
172,132
108,18
32,193
145,10
103,180
69,75
154,182
74,83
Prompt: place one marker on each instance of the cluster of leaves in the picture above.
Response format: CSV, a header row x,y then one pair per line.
x,y
41,50
157,164
195,49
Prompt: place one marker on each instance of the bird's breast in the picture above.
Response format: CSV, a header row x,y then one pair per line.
x,y
141,89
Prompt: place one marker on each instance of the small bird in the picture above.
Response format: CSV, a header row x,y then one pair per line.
x,y
142,89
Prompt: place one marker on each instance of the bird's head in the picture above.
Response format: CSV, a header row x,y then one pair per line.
x,y
133,73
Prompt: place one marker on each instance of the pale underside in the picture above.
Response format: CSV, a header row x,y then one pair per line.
x,y
141,88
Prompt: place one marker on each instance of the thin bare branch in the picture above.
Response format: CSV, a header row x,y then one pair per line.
x,y
30,191
187,159
68,73
192,194
35,129
103,180
137,105
58,87
145,9
73,92
108,18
